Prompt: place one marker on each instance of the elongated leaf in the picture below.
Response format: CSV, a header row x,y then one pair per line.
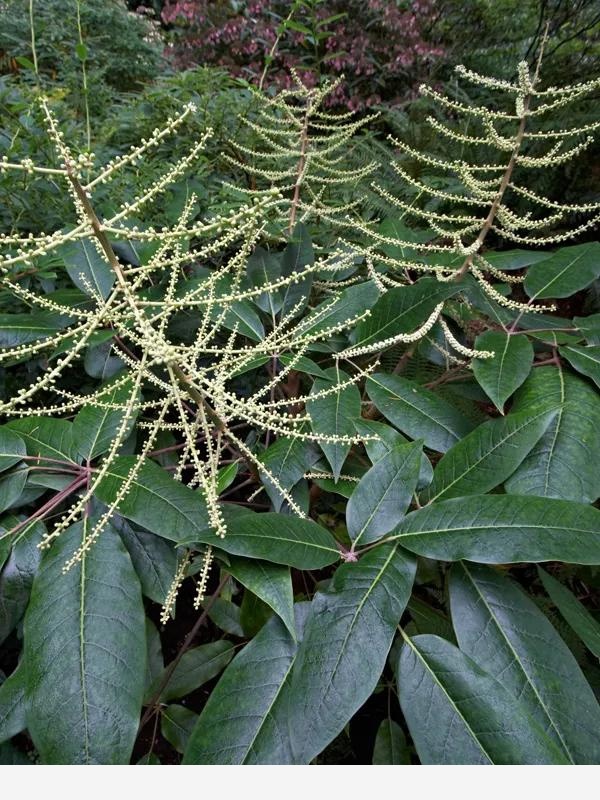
x,y
497,529
196,667
297,256
584,359
390,744
488,455
271,582
16,329
264,268
47,437
88,270
280,538
12,448
12,485
334,415
576,614
564,273
12,704
501,629
17,574
346,642
96,426
85,650
388,439
154,559
349,304
177,724
458,714
245,718
287,460
563,463
402,309
155,501
383,494
418,412
502,375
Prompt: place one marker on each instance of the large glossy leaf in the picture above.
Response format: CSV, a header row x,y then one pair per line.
x,y
297,256
387,439
334,415
458,714
497,529
502,630
85,650
96,426
153,558
280,538
177,723
12,448
16,329
576,614
347,638
563,463
383,494
264,268
488,455
584,359
564,273
155,501
502,375
287,460
418,412
47,437
12,704
17,574
245,720
272,583
349,304
402,309
390,744
88,270
196,667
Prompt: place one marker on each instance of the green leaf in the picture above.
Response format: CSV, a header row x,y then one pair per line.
x,y
154,560
589,327
254,613
226,616
155,501
383,494
195,668
264,268
16,577
177,724
564,273
12,448
12,704
334,415
85,650
498,529
155,662
388,439
287,460
418,412
347,638
563,463
390,744
575,613
487,456
88,270
245,719
16,329
402,309
348,305
280,538
47,437
297,256
501,629
458,714
502,375
584,359
271,582
12,485
96,425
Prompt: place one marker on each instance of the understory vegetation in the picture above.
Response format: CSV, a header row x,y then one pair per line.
x,y
299,371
